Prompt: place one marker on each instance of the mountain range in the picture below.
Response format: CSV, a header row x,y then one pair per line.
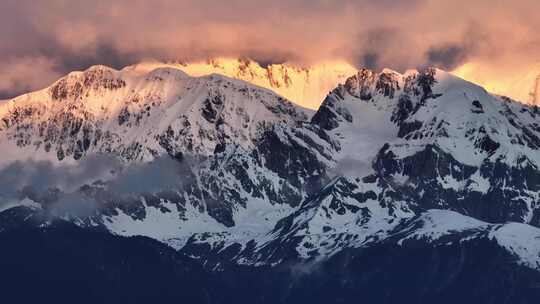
x,y
418,187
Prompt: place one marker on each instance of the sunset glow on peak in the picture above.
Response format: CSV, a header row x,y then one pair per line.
x,y
306,86
521,84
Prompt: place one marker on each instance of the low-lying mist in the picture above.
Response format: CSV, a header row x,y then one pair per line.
x,y
68,188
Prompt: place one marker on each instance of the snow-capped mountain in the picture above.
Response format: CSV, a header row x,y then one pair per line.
x,y
228,127
390,163
306,86
448,144
133,114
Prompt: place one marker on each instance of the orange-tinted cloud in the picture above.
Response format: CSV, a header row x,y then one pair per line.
x,y
374,33
25,74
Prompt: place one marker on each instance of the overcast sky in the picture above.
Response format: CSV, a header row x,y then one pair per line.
x,y
42,40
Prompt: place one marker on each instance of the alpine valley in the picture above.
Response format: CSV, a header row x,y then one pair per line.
x,y
157,183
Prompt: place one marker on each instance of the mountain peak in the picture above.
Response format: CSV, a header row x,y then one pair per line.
x,y
135,114
306,86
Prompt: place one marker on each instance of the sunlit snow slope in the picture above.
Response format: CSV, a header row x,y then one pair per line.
x,y
304,86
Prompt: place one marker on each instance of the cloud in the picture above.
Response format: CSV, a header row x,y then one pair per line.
x,y
68,35
349,166
164,173
21,75
42,176
449,56
67,188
